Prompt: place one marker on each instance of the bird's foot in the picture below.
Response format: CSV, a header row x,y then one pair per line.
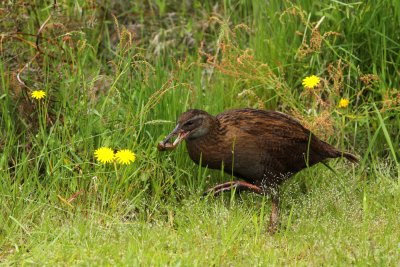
x,y
238,185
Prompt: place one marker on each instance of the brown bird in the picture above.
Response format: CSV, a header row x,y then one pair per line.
x,y
263,148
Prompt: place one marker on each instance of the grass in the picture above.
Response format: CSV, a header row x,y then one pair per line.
x,y
118,74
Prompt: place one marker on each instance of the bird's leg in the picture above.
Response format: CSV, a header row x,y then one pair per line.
x,y
274,217
238,185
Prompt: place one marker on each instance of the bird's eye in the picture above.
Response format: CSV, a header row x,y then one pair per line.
x,y
189,123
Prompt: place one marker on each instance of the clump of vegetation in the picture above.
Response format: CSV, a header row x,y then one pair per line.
x,y
79,76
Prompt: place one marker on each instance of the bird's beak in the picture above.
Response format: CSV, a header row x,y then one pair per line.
x,y
167,145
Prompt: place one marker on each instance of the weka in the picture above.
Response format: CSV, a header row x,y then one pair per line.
x,y
264,148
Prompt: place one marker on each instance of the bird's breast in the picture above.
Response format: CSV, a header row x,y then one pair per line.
x,y
210,152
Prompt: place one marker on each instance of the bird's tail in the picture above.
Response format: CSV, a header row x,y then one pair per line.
x,y
335,153
349,156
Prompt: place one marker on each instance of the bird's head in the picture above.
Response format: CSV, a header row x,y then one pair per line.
x,y
191,125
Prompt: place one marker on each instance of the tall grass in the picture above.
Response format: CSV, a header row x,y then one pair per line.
x,y
118,74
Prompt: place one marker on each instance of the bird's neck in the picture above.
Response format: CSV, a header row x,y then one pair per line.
x,y
207,147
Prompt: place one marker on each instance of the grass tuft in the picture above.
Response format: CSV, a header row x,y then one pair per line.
x,y
117,74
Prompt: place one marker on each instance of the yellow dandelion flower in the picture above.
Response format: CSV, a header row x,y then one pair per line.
x,y
311,81
38,94
343,103
104,154
125,156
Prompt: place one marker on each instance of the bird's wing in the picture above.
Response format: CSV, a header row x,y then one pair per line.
x,y
276,136
274,127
